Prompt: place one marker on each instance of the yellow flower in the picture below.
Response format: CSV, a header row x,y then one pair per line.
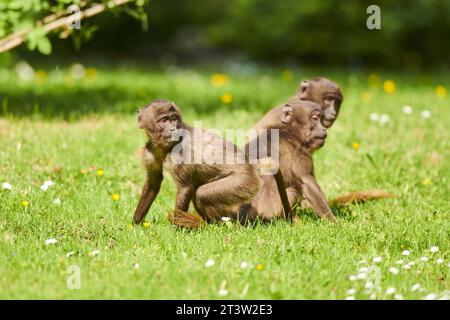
x,y
366,96
40,76
25,204
115,197
355,145
426,182
389,86
130,226
91,73
226,98
260,267
287,75
146,224
219,79
100,172
373,80
441,91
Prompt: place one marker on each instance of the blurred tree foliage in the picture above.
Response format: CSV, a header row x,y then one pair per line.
x,y
31,21
413,33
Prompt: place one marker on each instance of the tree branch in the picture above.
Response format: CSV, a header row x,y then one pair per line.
x,y
52,23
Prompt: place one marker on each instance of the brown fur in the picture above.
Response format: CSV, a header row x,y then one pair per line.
x,y
328,95
324,92
360,197
301,132
216,190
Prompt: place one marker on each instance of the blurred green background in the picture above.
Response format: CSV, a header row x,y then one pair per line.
x,y
413,36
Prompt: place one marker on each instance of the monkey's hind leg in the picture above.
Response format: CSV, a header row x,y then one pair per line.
x,y
225,197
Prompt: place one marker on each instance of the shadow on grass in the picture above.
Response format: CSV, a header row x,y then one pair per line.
x,y
68,102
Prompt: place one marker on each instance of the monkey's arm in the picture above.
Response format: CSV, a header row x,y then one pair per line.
x,y
283,195
149,193
312,192
184,197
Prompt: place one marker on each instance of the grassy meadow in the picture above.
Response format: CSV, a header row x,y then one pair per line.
x,y
76,129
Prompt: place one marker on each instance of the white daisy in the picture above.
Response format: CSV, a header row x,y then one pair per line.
x,y
49,183
390,291
352,278
415,287
6,186
399,261
407,109
431,296
405,253
351,292
374,116
373,296
384,118
398,296
69,254
406,266
94,253
50,241
440,260
362,262
244,265
350,298
368,285
44,187
377,259
136,266
57,201
434,249
362,275
225,219
209,263
424,259
393,270
223,292
426,114
363,270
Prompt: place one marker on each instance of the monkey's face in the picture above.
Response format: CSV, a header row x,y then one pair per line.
x,y
316,134
326,93
161,120
305,118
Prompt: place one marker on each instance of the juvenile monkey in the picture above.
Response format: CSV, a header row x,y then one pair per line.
x,y
216,189
300,133
328,95
324,92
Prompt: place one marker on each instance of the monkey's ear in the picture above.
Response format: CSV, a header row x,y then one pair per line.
x,y
286,114
173,107
304,85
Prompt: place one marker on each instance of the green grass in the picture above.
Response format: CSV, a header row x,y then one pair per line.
x,y
64,126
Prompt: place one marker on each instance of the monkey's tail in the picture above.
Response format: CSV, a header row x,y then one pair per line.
x,y
361,196
186,220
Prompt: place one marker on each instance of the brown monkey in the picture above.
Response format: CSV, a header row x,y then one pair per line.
x,y
301,132
217,190
324,92
328,95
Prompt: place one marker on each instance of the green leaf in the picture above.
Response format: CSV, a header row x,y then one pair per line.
x,y
44,46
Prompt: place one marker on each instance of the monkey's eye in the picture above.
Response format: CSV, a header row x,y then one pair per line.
x,y
315,117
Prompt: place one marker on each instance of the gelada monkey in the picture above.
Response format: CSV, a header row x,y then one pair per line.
x,y
324,92
300,133
216,189
328,95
